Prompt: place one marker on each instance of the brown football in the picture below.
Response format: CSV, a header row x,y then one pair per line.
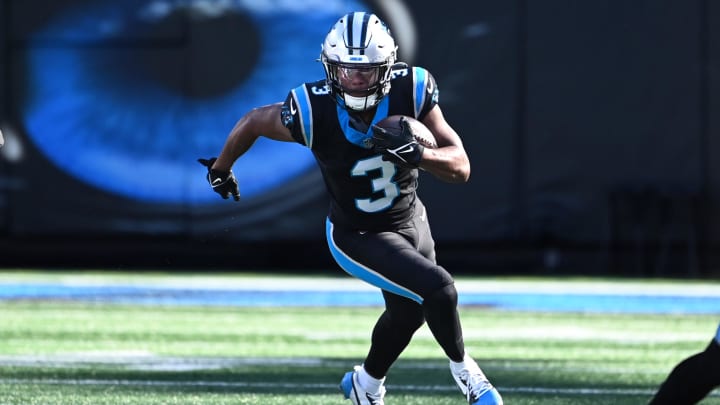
x,y
422,133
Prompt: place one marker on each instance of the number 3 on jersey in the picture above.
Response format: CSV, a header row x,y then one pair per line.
x,y
383,183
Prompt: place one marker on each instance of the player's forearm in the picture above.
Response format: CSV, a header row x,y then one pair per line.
x,y
449,164
239,141
261,121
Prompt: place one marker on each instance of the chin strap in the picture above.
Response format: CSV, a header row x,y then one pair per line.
x,y
360,103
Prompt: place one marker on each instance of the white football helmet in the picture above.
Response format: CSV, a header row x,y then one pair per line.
x,y
359,43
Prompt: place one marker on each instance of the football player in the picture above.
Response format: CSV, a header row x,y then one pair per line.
x,y
377,227
693,378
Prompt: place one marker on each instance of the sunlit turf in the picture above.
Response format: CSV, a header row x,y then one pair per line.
x,y
67,352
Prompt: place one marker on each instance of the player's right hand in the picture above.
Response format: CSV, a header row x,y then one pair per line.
x,y
223,183
398,147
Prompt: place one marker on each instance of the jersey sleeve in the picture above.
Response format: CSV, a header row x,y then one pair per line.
x,y
425,91
296,115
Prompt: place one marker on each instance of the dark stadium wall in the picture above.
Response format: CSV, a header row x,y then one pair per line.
x,y
4,99
614,131
711,114
589,128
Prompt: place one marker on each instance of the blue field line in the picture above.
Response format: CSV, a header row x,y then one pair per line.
x,y
554,300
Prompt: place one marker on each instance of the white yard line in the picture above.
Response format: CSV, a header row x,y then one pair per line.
x,y
150,362
321,386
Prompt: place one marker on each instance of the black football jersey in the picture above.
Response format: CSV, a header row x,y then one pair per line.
x,y
367,192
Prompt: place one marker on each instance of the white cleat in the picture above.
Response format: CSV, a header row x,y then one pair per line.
x,y
475,386
352,390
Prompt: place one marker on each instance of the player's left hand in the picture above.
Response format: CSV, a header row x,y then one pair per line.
x,y
398,147
223,183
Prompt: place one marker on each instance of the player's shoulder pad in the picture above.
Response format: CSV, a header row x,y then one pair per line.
x,y
297,111
420,83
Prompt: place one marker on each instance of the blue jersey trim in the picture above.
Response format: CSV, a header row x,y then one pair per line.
x,y
353,135
302,99
420,81
362,272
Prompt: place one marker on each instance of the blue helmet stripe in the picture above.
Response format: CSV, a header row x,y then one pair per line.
x,y
356,32
363,32
349,32
363,272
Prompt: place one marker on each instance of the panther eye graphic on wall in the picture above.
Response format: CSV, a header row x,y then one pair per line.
x,y
124,95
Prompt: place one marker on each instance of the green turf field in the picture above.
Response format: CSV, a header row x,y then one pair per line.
x,y
70,352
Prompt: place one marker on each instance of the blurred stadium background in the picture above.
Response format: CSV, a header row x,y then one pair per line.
x,y
591,128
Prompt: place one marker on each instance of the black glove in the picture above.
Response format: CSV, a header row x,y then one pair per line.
x,y
223,183
400,148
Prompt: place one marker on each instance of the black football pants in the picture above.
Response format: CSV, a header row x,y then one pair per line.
x,y
402,263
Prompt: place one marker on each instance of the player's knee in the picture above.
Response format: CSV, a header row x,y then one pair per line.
x,y
443,298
